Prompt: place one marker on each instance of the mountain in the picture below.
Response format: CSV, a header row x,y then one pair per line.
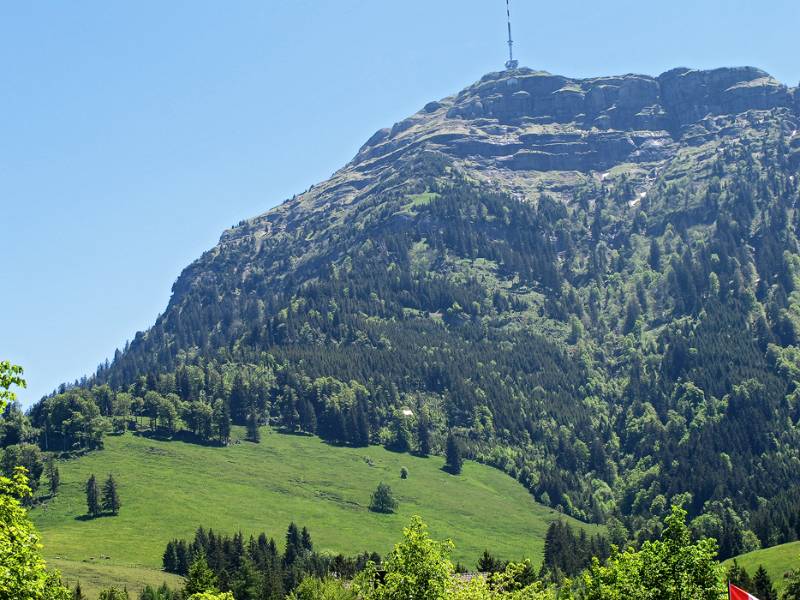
x,y
591,283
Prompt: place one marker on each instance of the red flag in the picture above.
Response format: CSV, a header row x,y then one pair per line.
x,y
734,593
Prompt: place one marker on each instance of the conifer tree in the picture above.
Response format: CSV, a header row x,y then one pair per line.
x,y
222,421
77,593
454,459
253,433
424,441
110,498
92,497
169,560
361,427
53,476
294,545
401,437
305,540
489,564
763,588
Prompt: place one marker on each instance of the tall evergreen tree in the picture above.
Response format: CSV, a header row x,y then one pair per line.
x,y
454,460
92,497
305,540
53,476
222,421
253,432
110,500
763,587
489,564
169,560
294,545
424,440
77,593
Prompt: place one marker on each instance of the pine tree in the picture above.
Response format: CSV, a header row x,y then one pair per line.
x,y
182,558
305,540
454,460
489,564
424,441
169,560
77,593
655,255
739,576
401,437
362,427
253,433
53,476
294,545
763,588
110,498
92,497
222,421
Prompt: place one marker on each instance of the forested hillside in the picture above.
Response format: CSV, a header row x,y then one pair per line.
x,y
589,284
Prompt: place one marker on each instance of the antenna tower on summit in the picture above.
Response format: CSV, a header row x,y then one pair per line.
x,y
511,63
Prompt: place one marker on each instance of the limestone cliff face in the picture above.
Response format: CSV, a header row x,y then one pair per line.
x,y
528,131
533,121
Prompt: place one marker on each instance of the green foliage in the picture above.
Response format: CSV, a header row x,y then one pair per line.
x,y
113,593
322,589
382,500
23,575
212,596
672,568
162,592
791,591
23,455
200,578
418,568
10,375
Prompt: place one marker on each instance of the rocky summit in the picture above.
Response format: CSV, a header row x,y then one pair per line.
x,y
525,131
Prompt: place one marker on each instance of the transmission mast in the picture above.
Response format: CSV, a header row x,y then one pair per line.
x,y
511,64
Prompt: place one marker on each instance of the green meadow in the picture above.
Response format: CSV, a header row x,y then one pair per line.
x,y
169,488
777,560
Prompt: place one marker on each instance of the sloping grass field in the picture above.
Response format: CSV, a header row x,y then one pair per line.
x,y
777,560
169,488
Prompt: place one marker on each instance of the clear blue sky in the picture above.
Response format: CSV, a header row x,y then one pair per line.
x,y
133,133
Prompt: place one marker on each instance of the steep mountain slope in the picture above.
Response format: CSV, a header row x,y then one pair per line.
x,y
591,282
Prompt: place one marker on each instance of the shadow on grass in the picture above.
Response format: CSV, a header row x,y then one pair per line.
x,y
450,471
91,518
179,436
